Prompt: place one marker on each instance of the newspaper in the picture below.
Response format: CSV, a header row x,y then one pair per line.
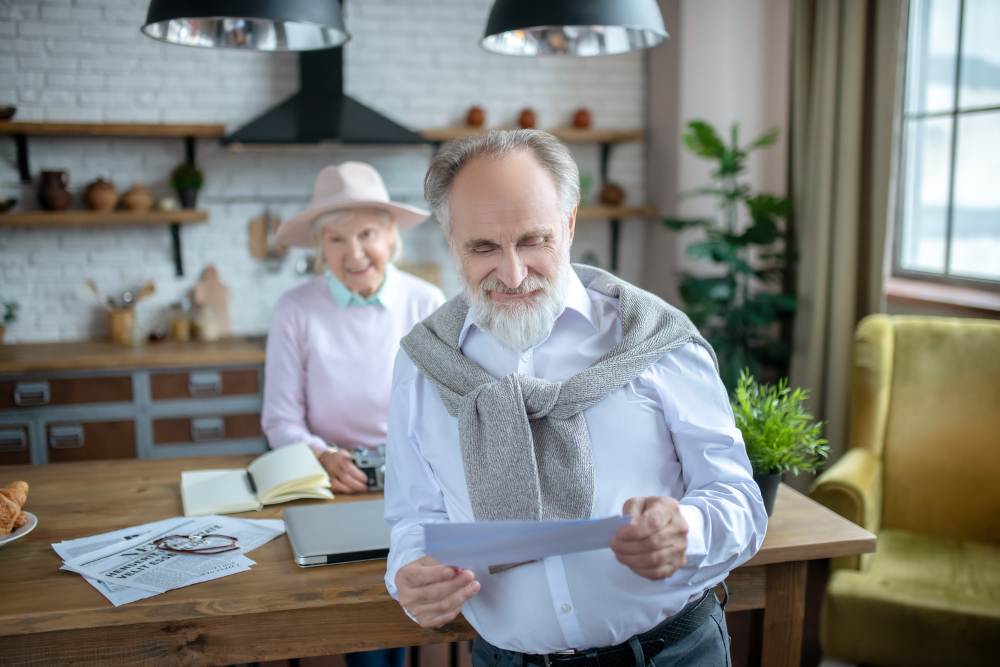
x,y
119,594
132,560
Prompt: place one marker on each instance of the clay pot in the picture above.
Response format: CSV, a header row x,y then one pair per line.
x,y
101,196
52,192
612,195
476,117
581,119
139,199
527,120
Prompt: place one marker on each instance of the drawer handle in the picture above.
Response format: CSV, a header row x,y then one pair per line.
x,y
208,429
208,383
27,394
66,437
13,440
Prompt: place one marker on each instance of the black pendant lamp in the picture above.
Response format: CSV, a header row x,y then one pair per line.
x,y
253,25
573,27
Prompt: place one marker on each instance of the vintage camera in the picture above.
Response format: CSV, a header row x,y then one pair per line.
x,y
372,463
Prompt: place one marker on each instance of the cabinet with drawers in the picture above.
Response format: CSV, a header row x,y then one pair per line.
x,y
111,402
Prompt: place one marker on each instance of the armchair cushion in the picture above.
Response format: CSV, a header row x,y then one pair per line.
x,y
937,599
853,489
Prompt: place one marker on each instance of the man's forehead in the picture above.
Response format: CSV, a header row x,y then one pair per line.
x,y
512,196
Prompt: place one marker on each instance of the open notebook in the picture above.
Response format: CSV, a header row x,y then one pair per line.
x,y
286,473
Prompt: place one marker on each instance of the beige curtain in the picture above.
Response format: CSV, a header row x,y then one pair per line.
x,y
847,59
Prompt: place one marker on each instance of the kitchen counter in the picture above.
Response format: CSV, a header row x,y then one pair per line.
x,y
105,355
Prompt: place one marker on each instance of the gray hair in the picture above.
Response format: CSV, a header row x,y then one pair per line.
x,y
337,217
497,145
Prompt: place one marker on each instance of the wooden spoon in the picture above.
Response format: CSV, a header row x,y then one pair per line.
x,y
147,290
92,288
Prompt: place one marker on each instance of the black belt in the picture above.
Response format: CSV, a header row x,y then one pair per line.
x,y
640,649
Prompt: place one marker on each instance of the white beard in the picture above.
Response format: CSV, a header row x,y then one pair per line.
x,y
522,324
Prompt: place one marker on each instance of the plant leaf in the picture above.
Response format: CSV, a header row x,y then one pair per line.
x,y
682,223
703,140
766,139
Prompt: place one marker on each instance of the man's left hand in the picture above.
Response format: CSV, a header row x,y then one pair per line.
x,y
653,545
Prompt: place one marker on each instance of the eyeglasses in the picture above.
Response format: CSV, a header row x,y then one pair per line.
x,y
197,544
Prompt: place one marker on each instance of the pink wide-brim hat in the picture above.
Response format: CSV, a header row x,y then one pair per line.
x,y
346,186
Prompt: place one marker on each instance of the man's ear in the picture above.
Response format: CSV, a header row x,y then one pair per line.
x,y
572,223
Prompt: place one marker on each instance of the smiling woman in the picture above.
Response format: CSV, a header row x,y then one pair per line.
x,y
356,246
333,340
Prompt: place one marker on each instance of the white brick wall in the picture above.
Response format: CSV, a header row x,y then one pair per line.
x,y
416,61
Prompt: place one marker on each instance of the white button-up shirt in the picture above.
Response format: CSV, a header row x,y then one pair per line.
x,y
669,432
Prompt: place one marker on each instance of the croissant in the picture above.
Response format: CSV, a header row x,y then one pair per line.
x,y
21,519
9,511
16,491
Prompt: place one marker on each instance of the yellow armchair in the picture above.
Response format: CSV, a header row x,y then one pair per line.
x,y
922,472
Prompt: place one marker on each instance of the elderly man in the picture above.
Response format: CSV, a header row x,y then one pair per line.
x,y
557,391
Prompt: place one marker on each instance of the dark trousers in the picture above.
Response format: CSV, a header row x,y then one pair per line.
x,y
388,657
707,646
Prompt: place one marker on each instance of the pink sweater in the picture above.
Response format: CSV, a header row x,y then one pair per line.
x,y
328,373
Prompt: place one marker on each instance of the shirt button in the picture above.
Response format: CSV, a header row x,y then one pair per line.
x,y
566,609
526,357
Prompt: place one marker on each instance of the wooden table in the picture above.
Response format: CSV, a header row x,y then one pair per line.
x,y
278,610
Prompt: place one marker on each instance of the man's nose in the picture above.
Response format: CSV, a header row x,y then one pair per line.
x,y
512,270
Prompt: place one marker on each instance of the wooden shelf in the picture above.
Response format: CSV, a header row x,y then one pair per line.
x,y
616,212
97,218
565,134
110,129
105,355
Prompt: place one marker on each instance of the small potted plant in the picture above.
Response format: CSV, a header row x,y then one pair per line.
x,y
9,314
778,433
187,179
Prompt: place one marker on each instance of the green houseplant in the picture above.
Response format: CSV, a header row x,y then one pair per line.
x,y
777,431
729,305
187,179
9,314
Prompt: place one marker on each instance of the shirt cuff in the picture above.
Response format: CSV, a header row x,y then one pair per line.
x,y
318,446
696,550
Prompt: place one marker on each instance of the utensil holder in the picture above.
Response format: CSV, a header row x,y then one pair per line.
x,y
122,325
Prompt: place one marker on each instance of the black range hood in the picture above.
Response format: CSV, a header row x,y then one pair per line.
x,y
321,113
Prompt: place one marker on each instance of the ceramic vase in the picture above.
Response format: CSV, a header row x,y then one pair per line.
x,y
527,120
612,195
52,193
101,196
139,199
476,117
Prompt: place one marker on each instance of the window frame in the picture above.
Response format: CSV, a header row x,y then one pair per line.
x,y
897,270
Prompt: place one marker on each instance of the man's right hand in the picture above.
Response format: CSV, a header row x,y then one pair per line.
x,y
434,593
345,477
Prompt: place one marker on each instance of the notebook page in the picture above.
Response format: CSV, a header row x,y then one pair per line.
x,y
285,466
216,492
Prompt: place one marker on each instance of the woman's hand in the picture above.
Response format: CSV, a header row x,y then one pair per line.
x,y
344,475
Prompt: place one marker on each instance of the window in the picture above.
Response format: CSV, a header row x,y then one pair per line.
x,y
949,195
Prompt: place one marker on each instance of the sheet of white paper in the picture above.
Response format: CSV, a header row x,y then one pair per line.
x,y
496,543
139,564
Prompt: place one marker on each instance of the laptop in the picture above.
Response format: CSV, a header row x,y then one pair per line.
x,y
337,533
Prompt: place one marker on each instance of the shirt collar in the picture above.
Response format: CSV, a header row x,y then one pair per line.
x,y
577,301
345,298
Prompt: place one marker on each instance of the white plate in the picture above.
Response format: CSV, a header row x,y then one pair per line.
x,y
22,531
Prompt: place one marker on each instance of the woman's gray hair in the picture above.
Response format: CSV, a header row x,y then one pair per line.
x,y
497,145
337,217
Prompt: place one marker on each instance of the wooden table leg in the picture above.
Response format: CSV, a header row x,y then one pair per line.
x,y
784,612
